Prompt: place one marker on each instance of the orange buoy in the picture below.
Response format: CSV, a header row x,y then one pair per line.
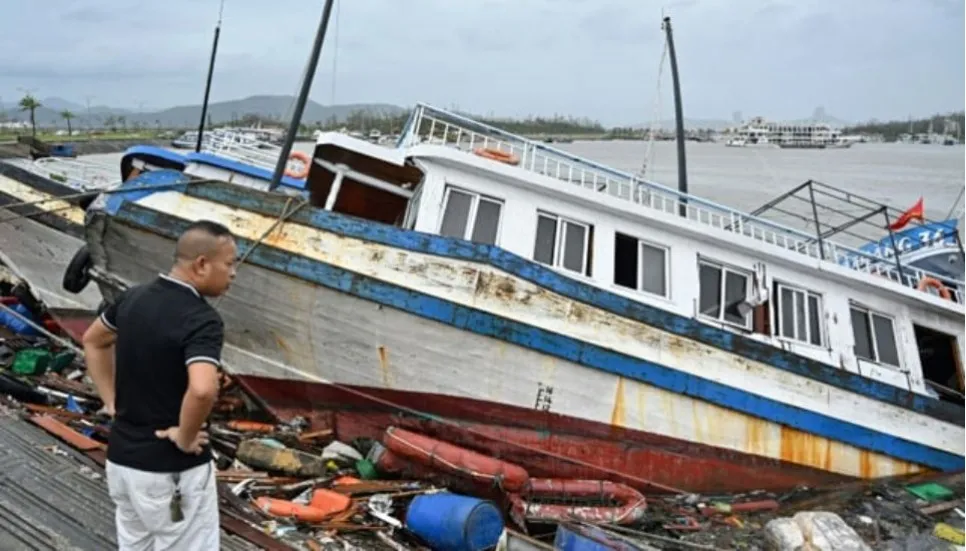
x,y
329,502
306,162
250,426
932,283
288,509
497,155
630,509
449,458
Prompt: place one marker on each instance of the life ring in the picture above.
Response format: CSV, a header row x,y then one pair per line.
x,y
78,272
932,283
631,505
306,162
497,155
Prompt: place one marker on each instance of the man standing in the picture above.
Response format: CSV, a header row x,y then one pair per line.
x,y
154,356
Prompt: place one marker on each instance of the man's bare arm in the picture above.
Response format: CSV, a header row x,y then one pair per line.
x,y
198,401
99,355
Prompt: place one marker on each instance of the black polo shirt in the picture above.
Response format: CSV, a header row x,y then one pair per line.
x,y
162,327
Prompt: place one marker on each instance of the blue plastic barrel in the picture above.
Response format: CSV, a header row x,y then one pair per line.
x,y
451,522
579,538
16,324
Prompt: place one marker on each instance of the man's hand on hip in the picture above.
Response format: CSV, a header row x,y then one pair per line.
x,y
174,435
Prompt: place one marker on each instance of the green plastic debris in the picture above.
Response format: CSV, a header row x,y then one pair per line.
x,y
61,361
929,491
366,470
31,361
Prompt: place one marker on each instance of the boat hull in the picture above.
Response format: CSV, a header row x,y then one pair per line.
x,y
38,242
361,333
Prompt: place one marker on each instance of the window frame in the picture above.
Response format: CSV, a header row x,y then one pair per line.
x,y
558,245
475,198
748,325
869,313
641,243
778,321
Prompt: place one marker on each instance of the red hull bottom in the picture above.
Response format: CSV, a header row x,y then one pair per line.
x,y
546,444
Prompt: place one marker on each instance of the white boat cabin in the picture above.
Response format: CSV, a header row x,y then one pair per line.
x,y
455,177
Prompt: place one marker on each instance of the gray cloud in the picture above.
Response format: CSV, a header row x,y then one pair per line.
x,y
859,59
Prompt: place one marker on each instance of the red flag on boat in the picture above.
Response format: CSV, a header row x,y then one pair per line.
x,y
914,213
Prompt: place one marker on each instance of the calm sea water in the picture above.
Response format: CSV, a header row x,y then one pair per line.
x,y
745,178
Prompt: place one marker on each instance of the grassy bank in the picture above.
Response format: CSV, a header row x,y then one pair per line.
x,y
54,138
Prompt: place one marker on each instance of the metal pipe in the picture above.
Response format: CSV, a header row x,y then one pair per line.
x,y
818,228
364,178
892,239
678,119
303,96
211,71
334,190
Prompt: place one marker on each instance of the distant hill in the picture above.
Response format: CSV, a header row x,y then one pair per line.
x,y
270,107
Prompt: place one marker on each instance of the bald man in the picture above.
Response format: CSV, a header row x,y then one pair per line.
x,y
154,356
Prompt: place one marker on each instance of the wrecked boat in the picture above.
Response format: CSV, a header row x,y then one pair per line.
x,y
43,203
509,297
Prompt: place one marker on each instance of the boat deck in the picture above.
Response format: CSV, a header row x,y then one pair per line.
x,y
53,497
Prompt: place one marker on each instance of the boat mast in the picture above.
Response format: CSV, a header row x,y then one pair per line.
x,y
678,119
211,70
303,97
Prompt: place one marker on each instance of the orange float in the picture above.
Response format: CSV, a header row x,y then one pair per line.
x,y
306,162
932,283
288,509
453,459
497,155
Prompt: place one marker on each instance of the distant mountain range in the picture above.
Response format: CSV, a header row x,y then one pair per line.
x,y
273,107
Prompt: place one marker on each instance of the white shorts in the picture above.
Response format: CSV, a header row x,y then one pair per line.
x,y
143,516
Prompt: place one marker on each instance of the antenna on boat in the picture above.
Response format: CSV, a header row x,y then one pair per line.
x,y
211,70
303,97
678,118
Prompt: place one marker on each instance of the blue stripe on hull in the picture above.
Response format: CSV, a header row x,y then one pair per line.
x,y
563,347
531,271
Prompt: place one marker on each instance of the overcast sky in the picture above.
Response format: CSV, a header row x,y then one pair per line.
x,y
598,58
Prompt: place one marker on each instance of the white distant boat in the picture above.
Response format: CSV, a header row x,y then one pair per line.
x,y
759,132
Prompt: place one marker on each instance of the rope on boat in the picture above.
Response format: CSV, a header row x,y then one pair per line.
x,y
285,215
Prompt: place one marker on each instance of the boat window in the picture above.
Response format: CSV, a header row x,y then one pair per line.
x,y
562,243
875,338
640,265
722,290
799,314
468,215
942,370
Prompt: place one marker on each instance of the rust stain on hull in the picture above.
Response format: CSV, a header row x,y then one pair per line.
x,y
618,415
384,365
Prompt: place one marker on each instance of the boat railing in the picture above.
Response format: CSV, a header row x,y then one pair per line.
x,y
430,125
241,147
76,173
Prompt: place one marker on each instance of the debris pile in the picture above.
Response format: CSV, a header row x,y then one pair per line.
x,y
287,484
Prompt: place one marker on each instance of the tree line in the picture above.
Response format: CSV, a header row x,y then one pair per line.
x,y
890,130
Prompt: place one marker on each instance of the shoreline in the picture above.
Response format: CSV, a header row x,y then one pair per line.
x,y
14,150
